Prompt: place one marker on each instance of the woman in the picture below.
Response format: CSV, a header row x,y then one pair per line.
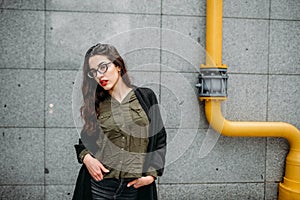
x,y
123,140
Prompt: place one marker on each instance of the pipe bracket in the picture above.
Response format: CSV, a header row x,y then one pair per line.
x,y
212,83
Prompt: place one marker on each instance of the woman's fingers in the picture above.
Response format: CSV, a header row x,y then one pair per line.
x,y
132,182
95,171
99,169
103,168
146,180
95,168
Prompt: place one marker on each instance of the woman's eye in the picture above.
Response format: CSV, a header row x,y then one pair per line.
x,y
102,68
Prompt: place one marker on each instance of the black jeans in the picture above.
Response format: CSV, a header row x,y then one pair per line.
x,y
113,189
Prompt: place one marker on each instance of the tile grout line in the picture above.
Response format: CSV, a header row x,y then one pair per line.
x,y
45,26
153,14
69,127
162,71
160,51
267,101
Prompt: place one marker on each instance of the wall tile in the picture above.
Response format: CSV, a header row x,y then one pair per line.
x,y
284,99
19,4
289,9
65,49
61,161
271,192
277,149
143,59
241,8
146,79
212,191
284,52
22,96
130,6
246,9
59,90
180,100
22,39
247,98
193,27
225,162
34,192
23,150
59,192
183,43
245,45
185,7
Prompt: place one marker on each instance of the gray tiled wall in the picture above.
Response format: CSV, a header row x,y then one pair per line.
x,y
22,39
245,45
163,44
22,98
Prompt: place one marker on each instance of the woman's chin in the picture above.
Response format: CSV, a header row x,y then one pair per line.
x,y
105,87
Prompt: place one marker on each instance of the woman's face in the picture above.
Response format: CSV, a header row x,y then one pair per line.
x,y
110,78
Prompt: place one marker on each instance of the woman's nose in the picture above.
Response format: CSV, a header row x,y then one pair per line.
x,y
99,75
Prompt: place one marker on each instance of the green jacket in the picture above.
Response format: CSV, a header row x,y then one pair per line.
x,y
156,149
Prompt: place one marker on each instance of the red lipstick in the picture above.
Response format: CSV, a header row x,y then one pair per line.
x,y
103,82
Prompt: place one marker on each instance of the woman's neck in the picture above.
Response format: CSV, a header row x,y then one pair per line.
x,y
119,91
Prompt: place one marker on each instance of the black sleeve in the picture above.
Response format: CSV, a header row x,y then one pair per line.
x,y
79,148
159,136
86,144
155,157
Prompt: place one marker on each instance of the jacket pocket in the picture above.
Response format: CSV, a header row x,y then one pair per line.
x,y
138,115
106,122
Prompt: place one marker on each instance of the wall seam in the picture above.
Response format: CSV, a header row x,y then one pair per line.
x,y
160,73
162,70
155,14
44,186
160,51
213,183
267,101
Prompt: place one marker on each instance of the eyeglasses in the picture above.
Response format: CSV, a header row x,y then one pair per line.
x,y
102,68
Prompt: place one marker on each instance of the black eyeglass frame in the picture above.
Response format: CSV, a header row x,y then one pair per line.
x,y
102,68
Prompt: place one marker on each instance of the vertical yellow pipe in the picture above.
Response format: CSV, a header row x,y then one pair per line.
x,y
290,187
214,34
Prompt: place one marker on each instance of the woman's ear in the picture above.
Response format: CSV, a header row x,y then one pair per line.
x,y
119,68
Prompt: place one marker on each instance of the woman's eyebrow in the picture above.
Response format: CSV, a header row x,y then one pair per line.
x,y
103,62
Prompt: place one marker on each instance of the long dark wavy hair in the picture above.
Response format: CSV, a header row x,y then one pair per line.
x,y
92,92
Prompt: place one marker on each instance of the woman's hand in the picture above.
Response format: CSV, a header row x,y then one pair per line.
x,y
145,180
94,167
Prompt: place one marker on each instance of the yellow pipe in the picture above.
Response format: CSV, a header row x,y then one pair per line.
x,y
290,187
214,35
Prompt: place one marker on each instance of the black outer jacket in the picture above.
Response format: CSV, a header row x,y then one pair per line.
x,y
157,147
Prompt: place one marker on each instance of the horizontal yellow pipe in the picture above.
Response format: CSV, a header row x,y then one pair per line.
x,y
290,188
250,129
